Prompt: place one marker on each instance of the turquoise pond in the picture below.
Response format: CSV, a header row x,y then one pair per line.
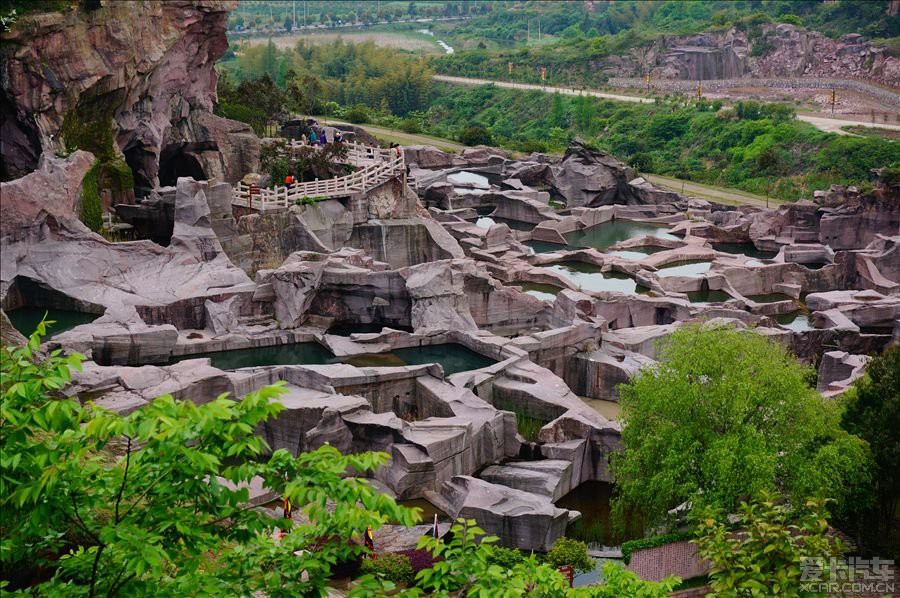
x,y
546,292
452,357
695,268
602,236
593,501
796,321
748,249
590,278
26,319
702,297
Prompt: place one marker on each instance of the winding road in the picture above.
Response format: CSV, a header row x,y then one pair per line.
x,y
831,125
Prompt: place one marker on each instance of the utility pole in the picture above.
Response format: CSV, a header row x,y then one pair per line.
x,y
833,97
648,82
699,90
539,29
294,8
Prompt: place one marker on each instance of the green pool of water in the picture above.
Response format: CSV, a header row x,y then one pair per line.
x,y
595,528
293,354
428,510
748,249
452,357
611,410
545,247
612,232
796,321
546,292
590,278
26,319
695,268
604,235
708,296
636,253
770,298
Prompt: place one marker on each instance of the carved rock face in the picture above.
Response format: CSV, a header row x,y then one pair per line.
x,y
148,67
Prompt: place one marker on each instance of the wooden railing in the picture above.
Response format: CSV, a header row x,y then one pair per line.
x,y
374,166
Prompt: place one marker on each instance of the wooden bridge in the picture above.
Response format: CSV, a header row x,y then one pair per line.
x,y
374,166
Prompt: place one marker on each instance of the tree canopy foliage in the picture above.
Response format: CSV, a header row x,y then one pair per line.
x,y
726,414
341,72
696,141
873,413
763,550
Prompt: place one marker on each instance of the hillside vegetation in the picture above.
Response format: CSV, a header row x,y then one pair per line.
x,y
574,39
756,147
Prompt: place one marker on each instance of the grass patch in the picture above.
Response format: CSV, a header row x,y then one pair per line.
x,y
527,425
872,132
592,532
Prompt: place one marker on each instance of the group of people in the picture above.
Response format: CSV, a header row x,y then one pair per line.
x,y
317,136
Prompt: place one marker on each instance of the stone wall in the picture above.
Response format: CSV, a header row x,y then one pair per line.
x,y
677,558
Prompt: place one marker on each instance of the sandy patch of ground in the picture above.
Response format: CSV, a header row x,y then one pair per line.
x,y
381,38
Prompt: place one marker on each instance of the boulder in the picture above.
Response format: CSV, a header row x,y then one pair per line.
x,y
428,156
590,178
521,520
222,317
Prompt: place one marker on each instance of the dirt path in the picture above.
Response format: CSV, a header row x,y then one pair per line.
x,y
397,136
723,195
831,125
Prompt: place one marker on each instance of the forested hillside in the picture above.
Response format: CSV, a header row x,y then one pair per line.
x,y
756,147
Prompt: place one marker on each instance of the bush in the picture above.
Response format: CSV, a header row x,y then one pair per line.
x,y
573,553
410,125
476,135
507,558
91,208
419,558
390,566
358,113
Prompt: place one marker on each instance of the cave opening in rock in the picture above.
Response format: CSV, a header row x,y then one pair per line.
x,y
140,162
176,160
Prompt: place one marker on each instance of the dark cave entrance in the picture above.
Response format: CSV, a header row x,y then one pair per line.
x,y
177,160
140,161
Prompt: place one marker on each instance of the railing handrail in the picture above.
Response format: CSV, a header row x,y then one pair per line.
x,y
379,165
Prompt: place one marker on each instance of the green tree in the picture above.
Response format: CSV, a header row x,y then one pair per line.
x,y
476,135
873,413
728,413
155,502
763,551
570,552
269,64
467,566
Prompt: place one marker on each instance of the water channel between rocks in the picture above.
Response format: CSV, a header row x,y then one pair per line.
x,y
604,235
26,319
590,278
452,357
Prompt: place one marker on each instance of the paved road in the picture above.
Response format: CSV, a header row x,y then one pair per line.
x,y
832,125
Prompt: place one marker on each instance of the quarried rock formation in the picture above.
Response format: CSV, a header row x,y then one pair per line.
x,y
136,78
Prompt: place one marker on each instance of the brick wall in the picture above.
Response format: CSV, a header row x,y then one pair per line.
x,y
677,558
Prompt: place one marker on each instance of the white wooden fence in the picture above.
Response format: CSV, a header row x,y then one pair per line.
x,y
374,167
